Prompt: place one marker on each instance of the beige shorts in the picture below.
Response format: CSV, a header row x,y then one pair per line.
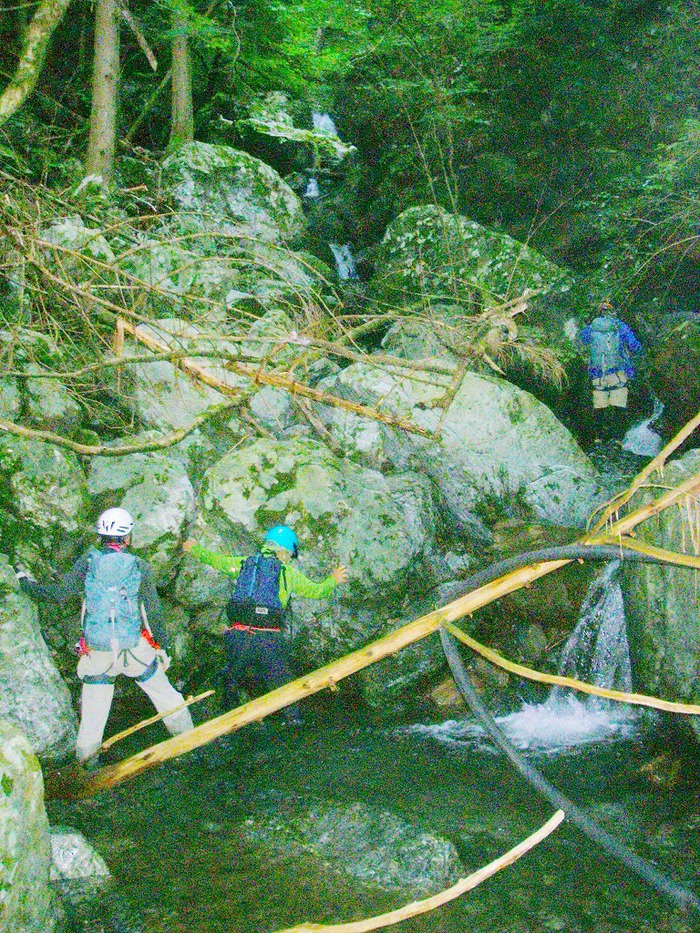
x,y
610,389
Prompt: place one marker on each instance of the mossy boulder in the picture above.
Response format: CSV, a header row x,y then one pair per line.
x,y
381,527
33,695
26,900
496,442
662,602
429,255
188,271
44,502
374,846
271,115
72,239
233,191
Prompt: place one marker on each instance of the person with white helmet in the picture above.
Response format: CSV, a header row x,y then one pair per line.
x,y
257,650
122,633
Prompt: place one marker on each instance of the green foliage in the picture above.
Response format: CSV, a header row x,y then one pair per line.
x,y
569,124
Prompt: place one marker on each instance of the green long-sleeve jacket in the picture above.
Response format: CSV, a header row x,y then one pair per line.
x,y
291,579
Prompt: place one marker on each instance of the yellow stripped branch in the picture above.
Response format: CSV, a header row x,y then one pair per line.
x,y
113,739
654,464
444,897
637,699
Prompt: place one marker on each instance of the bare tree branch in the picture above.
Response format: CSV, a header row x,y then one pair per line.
x,y
103,450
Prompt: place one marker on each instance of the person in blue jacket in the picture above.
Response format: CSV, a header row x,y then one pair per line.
x,y
612,344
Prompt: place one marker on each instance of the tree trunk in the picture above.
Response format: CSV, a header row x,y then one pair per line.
x,y
105,83
182,121
34,47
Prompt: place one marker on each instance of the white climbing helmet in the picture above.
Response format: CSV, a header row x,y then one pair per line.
x,y
115,523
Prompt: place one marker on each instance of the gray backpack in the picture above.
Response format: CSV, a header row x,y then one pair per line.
x,y
111,611
606,351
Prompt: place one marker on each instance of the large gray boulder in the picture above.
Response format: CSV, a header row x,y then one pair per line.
x,y
78,872
235,192
381,527
496,441
663,617
33,696
44,499
26,901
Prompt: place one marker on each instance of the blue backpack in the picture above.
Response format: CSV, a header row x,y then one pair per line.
x,y
255,599
606,355
111,611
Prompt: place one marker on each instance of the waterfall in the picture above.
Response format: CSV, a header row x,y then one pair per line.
x,y
323,123
596,652
312,190
344,261
640,439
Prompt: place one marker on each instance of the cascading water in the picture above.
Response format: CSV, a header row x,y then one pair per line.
x,y
323,123
597,653
344,261
312,189
640,439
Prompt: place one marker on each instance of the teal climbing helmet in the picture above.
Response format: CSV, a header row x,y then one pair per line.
x,y
283,536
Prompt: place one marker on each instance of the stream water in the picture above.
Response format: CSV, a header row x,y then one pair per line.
x,y
342,820
178,839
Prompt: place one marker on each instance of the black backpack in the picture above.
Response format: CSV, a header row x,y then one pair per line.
x,y
255,599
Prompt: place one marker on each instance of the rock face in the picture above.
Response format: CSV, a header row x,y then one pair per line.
x,y
232,189
26,903
429,254
43,495
157,491
496,441
373,846
674,360
662,602
33,695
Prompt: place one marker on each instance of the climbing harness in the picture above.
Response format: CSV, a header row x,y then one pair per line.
x,y
251,629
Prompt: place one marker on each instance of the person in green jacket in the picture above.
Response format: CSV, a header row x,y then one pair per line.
x,y
257,649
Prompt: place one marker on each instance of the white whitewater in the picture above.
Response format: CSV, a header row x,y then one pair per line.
x,y
312,189
640,439
344,261
596,652
323,123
